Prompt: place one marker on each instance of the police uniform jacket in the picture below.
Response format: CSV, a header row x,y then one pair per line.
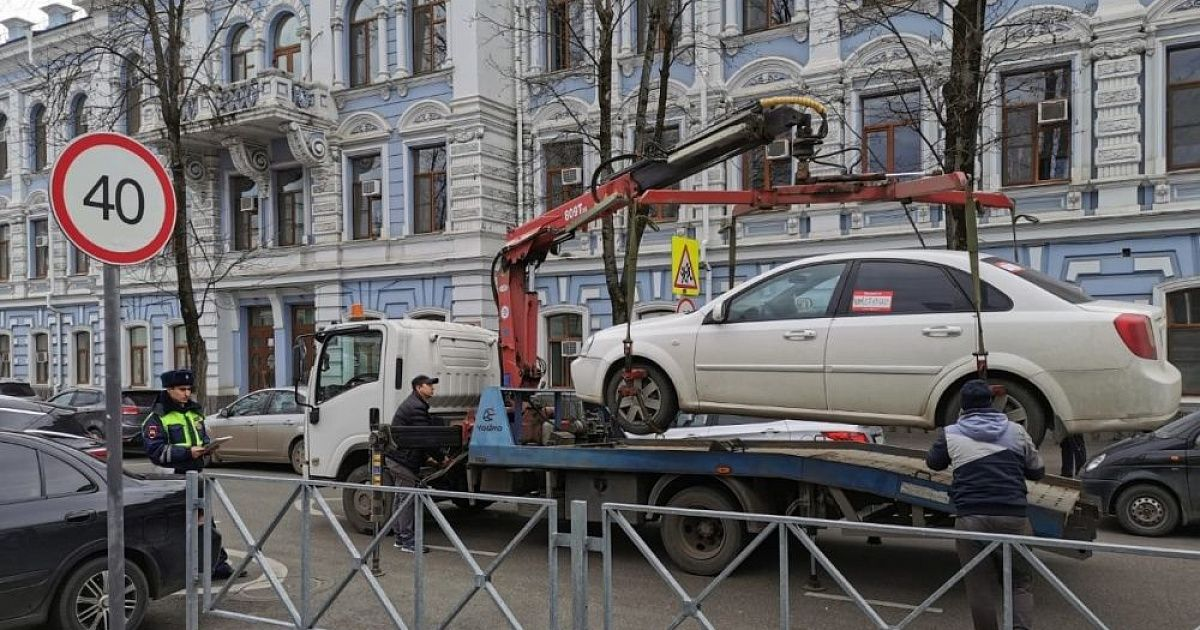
x,y
170,432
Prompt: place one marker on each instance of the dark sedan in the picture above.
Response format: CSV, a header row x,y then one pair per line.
x,y
18,414
1150,482
135,406
53,537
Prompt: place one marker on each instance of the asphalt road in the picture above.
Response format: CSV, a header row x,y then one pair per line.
x,y
1124,591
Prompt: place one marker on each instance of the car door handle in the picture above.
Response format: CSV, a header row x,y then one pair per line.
x,y
81,516
941,331
800,335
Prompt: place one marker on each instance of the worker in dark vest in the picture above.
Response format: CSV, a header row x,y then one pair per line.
x,y
175,438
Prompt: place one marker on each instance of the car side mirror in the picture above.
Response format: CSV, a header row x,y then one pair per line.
x,y
718,314
224,412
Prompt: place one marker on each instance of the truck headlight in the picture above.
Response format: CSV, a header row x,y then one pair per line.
x,y
1095,463
587,345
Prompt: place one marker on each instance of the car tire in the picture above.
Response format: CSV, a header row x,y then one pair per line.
x,y
1147,510
86,586
702,546
659,396
296,456
1023,407
356,504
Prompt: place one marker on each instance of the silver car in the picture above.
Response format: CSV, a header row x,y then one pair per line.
x,y
266,426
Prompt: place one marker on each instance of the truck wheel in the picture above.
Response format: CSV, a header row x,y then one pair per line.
x,y
658,402
83,602
699,545
1147,510
356,504
1023,407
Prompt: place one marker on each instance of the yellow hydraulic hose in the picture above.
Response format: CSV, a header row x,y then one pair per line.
x,y
803,101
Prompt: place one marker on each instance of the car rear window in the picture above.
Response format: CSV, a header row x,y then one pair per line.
x,y
141,399
17,389
1063,290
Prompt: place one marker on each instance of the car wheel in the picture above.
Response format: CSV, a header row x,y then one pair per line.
x,y
653,408
296,456
1148,510
1022,406
356,504
702,545
83,602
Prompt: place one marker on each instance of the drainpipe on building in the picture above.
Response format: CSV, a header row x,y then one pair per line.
x,y
518,94
56,376
703,76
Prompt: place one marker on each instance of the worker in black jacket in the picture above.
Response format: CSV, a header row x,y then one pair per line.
x,y
405,463
992,459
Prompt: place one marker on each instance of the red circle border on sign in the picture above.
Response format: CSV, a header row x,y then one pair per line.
x,y
58,203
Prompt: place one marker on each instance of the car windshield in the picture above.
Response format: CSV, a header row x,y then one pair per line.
x,y
1072,293
17,389
1181,427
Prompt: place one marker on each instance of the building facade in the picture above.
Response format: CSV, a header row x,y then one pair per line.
x,y
375,152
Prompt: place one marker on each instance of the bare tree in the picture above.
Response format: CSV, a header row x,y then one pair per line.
x,y
140,56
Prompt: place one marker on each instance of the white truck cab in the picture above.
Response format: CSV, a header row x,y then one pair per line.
x,y
361,366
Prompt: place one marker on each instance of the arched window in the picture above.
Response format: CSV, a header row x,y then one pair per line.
x,y
133,96
287,43
83,357
37,136
241,55
3,145
139,356
362,43
79,125
41,359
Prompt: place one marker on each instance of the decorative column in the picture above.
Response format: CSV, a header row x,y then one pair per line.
x,y
824,47
402,29
732,23
627,32
305,53
537,38
381,24
689,25
337,25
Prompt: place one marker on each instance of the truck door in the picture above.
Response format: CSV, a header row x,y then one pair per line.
x,y
345,385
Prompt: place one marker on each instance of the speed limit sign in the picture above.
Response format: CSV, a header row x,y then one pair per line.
x,y
112,198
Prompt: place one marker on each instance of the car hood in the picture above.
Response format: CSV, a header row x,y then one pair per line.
x,y
648,325
1132,449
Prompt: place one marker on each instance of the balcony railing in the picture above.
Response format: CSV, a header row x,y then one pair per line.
x,y
272,96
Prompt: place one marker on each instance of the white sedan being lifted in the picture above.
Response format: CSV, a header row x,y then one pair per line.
x,y
886,338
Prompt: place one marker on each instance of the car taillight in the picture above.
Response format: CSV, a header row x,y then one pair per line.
x,y
99,453
129,410
846,436
1138,334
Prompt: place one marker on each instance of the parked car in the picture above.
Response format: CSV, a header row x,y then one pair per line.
x,y
81,443
1150,482
721,426
19,414
135,406
54,536
887,338
266,426
17,389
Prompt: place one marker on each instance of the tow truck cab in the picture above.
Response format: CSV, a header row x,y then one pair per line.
x,y
367,365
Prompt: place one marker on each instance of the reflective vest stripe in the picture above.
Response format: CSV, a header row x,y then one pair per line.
x,y
185,421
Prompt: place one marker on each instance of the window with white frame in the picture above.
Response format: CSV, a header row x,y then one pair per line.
x,y
80,262
429,189
5,247
362,43
663,212
79,122
670,22
565,29
762,15
891,133
1036,126
429,35
83,357
41,358
39,243
289,207
769,166
286,40
241,54
564,171
133,96
366,197
243,210
179,347
5,356
38,138
139,356
3,145
560,328
1183,116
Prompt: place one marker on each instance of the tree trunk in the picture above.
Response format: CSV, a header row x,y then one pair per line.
x,y
962,95
606,23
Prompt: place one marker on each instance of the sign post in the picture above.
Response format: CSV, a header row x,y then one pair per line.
x,y
114,201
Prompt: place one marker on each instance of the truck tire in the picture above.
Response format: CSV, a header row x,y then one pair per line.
x,y
702,546
1147,510
658,396
356,504
1023,407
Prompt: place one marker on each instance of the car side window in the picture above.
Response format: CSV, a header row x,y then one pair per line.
x,y
283,403
798,293
903,288
87,398
250,405
62,478
724,420
19,470
993,299
62,399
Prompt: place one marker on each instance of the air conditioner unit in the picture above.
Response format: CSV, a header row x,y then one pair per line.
x,y
1053,111
248,204
41,241
43,357
571,176
372,188
856,220
779,149
570,349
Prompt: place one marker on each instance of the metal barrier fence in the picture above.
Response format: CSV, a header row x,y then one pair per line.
x,y
308,611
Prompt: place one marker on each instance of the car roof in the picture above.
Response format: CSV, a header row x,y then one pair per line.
x,y
24,404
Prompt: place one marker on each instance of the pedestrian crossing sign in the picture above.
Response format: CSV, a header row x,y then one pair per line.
x,y
685,271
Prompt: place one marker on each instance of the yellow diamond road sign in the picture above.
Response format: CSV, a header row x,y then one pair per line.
x,y
685,267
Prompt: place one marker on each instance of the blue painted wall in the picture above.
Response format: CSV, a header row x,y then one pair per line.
x,y
396,297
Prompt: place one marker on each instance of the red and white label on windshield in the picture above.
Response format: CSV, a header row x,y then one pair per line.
x,y
871,302
1008,266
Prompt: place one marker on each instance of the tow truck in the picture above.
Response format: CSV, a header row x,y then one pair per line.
x,y
510,437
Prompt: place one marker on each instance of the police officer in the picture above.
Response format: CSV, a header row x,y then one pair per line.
x,y
175,438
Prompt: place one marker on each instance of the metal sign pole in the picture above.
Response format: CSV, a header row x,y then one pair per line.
x,y
112,438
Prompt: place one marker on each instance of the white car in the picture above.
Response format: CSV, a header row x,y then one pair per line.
x,y
886,338
721,426
266,426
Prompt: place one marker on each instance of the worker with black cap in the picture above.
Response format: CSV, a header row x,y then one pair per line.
x,y
175,438
405,463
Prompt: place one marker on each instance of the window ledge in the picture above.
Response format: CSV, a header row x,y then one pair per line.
x,y
733,43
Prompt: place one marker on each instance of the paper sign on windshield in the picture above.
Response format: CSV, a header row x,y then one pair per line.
x,y
871,302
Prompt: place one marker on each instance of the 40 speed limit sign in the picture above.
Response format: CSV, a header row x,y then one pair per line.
x,y
112,198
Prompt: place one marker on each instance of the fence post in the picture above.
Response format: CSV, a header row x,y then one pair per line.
x,y
305,533
193,611
376,444
579,566
1008,586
